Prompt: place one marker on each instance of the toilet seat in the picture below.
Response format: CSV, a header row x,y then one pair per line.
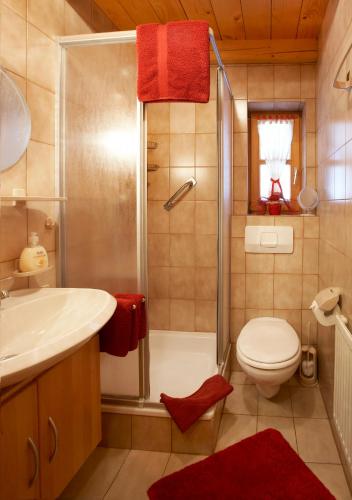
x,y
268,343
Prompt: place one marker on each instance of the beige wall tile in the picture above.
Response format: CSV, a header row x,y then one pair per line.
x,y
182,118
259,263
47,16
206,250
41,103
240,207
151,433
308,81
238,260
258,313
240,115
206,217
158,218
159,314
182,315
13,230
206,283
310,256
238,80
237,322
295,222
178,176
309,327
259,291
40,169
158,118
238,291
207,184
182,250
310,289
238,226
116,430
240,149
182,218
205,316
287,81
290,263
161,155
158,250
240,183
292,316
158,185
158,282
19,6
182,283
16,176
260,82
206,118
182,150
287,291
13,42
206,150
41,53
260,220
311,227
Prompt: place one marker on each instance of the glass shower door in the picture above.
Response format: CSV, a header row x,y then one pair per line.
x,y
101,154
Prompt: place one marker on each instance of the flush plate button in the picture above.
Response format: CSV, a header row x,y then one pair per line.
x,y
269,239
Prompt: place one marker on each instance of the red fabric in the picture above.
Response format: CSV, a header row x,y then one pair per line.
x,y
261,467
185,411
126,326
173,61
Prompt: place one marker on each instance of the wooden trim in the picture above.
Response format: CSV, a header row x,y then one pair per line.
x,y
303,50
295,162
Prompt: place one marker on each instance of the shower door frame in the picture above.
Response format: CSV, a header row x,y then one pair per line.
x,y
109,38
141,187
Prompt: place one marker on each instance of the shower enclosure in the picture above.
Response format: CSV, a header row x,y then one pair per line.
x,y
119,163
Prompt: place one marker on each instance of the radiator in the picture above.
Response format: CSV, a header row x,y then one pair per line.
x,y
343,388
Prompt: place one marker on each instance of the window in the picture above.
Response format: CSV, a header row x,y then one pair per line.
x,y
275,159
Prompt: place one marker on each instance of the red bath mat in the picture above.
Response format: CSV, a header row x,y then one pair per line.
x,y
261,467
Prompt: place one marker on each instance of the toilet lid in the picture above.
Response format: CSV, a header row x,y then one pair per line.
x,y
268,340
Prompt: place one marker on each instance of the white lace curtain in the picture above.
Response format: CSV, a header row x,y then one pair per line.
x,y
275,138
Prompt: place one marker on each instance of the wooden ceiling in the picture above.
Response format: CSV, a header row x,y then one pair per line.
x,y
247,30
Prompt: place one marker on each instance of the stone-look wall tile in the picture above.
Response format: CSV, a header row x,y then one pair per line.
x,y
182,282
238,291
287,81
237,322
205,316
240,123
287,291
41,53
290,263
206,118
292,316
238,261
238,226
182,118
151,433
260,82
240,149
238,76
259,263
308,81
259,291
13,43
159,314
311,256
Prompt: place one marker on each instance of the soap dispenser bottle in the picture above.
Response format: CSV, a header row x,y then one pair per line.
x,y
33,257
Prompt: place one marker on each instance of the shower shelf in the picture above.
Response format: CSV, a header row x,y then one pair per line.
x,y
151,167
24,199
19,274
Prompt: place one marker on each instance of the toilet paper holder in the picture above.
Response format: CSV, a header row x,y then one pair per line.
x,y
325,306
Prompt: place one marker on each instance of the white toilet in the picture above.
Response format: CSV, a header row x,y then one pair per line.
x,y
269,352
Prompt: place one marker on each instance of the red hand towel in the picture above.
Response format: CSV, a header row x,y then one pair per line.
x,y
185,411
173,61
126,326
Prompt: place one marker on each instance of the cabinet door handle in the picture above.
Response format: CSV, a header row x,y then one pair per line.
x,y
35,451
53,427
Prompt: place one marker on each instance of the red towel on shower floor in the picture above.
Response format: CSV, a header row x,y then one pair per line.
x,y
173,61
185,411
126,327
261,467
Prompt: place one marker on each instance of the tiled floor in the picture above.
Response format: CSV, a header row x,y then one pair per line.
x,y
297,412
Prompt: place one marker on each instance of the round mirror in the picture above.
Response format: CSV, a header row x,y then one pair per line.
x,y
15,122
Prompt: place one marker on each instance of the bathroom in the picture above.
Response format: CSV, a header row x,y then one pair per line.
x,y
96,200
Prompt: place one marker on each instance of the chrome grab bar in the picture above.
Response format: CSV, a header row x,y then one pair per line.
x,y
175,198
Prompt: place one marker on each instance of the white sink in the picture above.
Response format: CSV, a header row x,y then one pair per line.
x,y
41,326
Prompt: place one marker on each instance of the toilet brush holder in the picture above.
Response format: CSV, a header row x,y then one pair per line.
x,y
308,367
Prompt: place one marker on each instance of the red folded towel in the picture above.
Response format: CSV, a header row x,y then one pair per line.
x,y
261,467
126,326
173,61
185,411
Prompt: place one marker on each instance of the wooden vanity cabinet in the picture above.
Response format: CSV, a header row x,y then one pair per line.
x,y
60,412
19,451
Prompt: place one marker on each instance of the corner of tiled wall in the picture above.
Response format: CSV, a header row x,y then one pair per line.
x,y
28,53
